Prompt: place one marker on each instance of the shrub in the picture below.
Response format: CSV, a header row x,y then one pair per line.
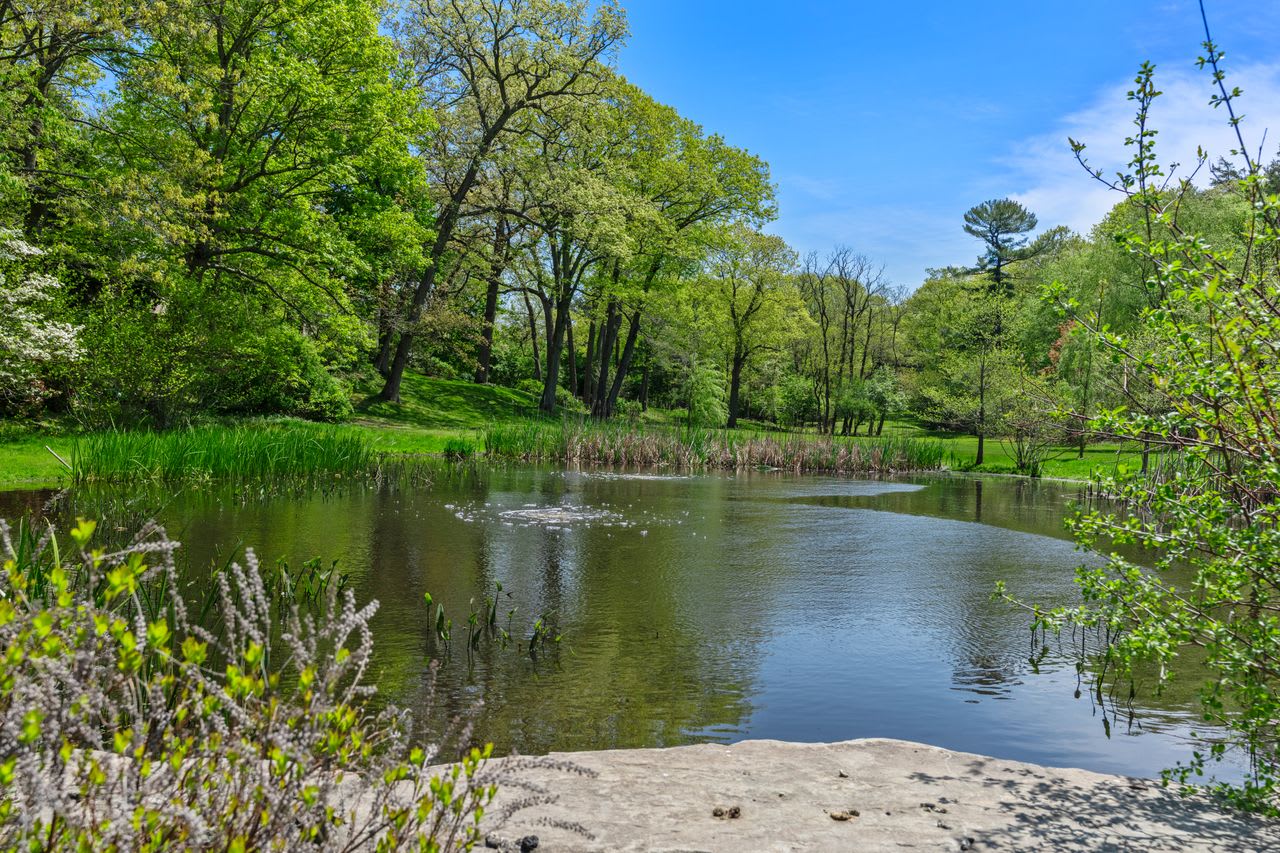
x,y
707,397
125,724
630,409
1207,523
532,387
568,403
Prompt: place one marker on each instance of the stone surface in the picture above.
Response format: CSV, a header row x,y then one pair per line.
x,y
863,795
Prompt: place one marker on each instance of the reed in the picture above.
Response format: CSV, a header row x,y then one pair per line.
x,y
629,445
246,453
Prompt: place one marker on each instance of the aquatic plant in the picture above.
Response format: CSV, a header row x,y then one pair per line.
x,y
632,445
482,624
243,453
459,449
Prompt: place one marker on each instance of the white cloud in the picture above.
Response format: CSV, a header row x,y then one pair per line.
x,y
1052,184
906,239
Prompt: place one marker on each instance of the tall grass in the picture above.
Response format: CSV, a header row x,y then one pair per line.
x,y
625,444
239,454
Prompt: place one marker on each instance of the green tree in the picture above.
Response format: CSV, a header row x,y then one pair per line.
x,y
490,69
706,396
961,338
246,144
51,53
1002,224
750,300
1208,517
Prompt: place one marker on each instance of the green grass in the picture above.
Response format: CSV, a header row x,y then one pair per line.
x,y
442,417
443,404
24,462
243,453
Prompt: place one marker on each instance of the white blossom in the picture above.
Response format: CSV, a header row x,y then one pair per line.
x,y
31,339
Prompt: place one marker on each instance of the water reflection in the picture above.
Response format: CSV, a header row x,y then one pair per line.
x,y
706,608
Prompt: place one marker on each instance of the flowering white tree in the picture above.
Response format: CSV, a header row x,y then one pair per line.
x,y
31,340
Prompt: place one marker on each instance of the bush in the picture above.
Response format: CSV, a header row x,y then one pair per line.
x,y
707,397
125,724
567,403
629,409
161,368
529,386
1207,526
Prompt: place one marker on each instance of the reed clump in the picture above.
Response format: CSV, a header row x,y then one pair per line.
x,y
629,445
245,453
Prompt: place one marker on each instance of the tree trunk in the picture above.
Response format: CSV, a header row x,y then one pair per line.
x,y
624,364
982,411
644,387
497,265
735,386
555,351
533,338
383,361
608,337
587,385
573,352
866,346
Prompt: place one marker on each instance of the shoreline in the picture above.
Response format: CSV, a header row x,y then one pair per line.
x,y
869,794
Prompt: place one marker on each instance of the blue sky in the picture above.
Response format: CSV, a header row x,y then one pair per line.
x,y
884,121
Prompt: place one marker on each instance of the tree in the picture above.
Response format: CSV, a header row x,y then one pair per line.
x,y
1002,224
580,213
696,182
50,51
1208,516
706,397
249,145
884,392
751,298
488,69
961,335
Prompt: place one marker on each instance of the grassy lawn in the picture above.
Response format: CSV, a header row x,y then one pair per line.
x,y
25,463
434,411
442,404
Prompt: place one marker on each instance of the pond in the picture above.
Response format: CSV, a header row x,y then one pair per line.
x,y
715,607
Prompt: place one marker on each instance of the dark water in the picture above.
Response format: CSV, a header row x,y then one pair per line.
x,y
717,607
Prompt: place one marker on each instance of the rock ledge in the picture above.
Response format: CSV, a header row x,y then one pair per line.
x,y
869,794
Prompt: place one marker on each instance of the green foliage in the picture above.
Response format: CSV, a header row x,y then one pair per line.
x,y
1204,354
459,449
1002,224
707,404
140,729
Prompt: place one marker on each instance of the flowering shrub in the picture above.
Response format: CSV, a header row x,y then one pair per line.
x,y
29,339
126,724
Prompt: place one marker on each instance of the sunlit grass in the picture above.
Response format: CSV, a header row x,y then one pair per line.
x,y
239,453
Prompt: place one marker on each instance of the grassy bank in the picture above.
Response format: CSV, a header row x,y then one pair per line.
x,y
440,417
623,444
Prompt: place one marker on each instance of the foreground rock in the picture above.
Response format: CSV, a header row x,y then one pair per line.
x,y
863,795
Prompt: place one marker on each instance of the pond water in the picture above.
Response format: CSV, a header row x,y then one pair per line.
x,y
715,607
